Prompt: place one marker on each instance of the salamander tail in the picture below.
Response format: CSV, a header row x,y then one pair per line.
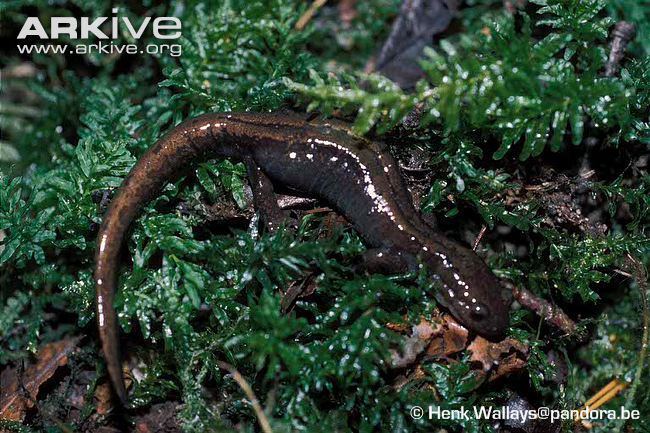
x,y
185,144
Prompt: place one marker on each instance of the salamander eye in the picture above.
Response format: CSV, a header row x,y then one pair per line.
x,y
479,311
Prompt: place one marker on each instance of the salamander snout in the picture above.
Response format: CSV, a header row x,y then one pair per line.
x,y
491,326
486,320
472,294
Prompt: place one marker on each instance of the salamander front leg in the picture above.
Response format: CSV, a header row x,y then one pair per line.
x,y
264,197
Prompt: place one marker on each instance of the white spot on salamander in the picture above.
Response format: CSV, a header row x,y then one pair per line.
x,y
102,244
379,203
100,309
292,155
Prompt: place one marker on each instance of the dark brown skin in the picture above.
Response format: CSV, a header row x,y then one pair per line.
x,y
357,177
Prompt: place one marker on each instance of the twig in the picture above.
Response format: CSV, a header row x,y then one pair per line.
x,y
259,412
641,276
309,14
622,34
621,272
603,396
549,312
603,391
479,237
318,210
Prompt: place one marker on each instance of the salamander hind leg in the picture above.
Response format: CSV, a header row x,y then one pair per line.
x,y
264,198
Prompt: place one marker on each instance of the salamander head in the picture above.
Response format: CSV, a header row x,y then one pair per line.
x,y
471,293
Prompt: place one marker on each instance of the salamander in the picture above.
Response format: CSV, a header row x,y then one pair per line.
x,y
355,176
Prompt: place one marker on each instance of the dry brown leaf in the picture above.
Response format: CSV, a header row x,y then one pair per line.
x,y
449,337
298,290
103,398
509,365
19,393
444,337
439,336
505,355
401,328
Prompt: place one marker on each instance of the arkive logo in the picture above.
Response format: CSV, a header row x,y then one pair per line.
x,y
84,28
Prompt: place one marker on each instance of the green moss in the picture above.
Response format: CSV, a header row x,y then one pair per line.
x,y
527,86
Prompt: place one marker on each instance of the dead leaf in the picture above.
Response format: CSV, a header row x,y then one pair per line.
x,y
400,327
509,365
296,291
412,31
103,398
439,336
449,337
505,356
19,392
410,350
